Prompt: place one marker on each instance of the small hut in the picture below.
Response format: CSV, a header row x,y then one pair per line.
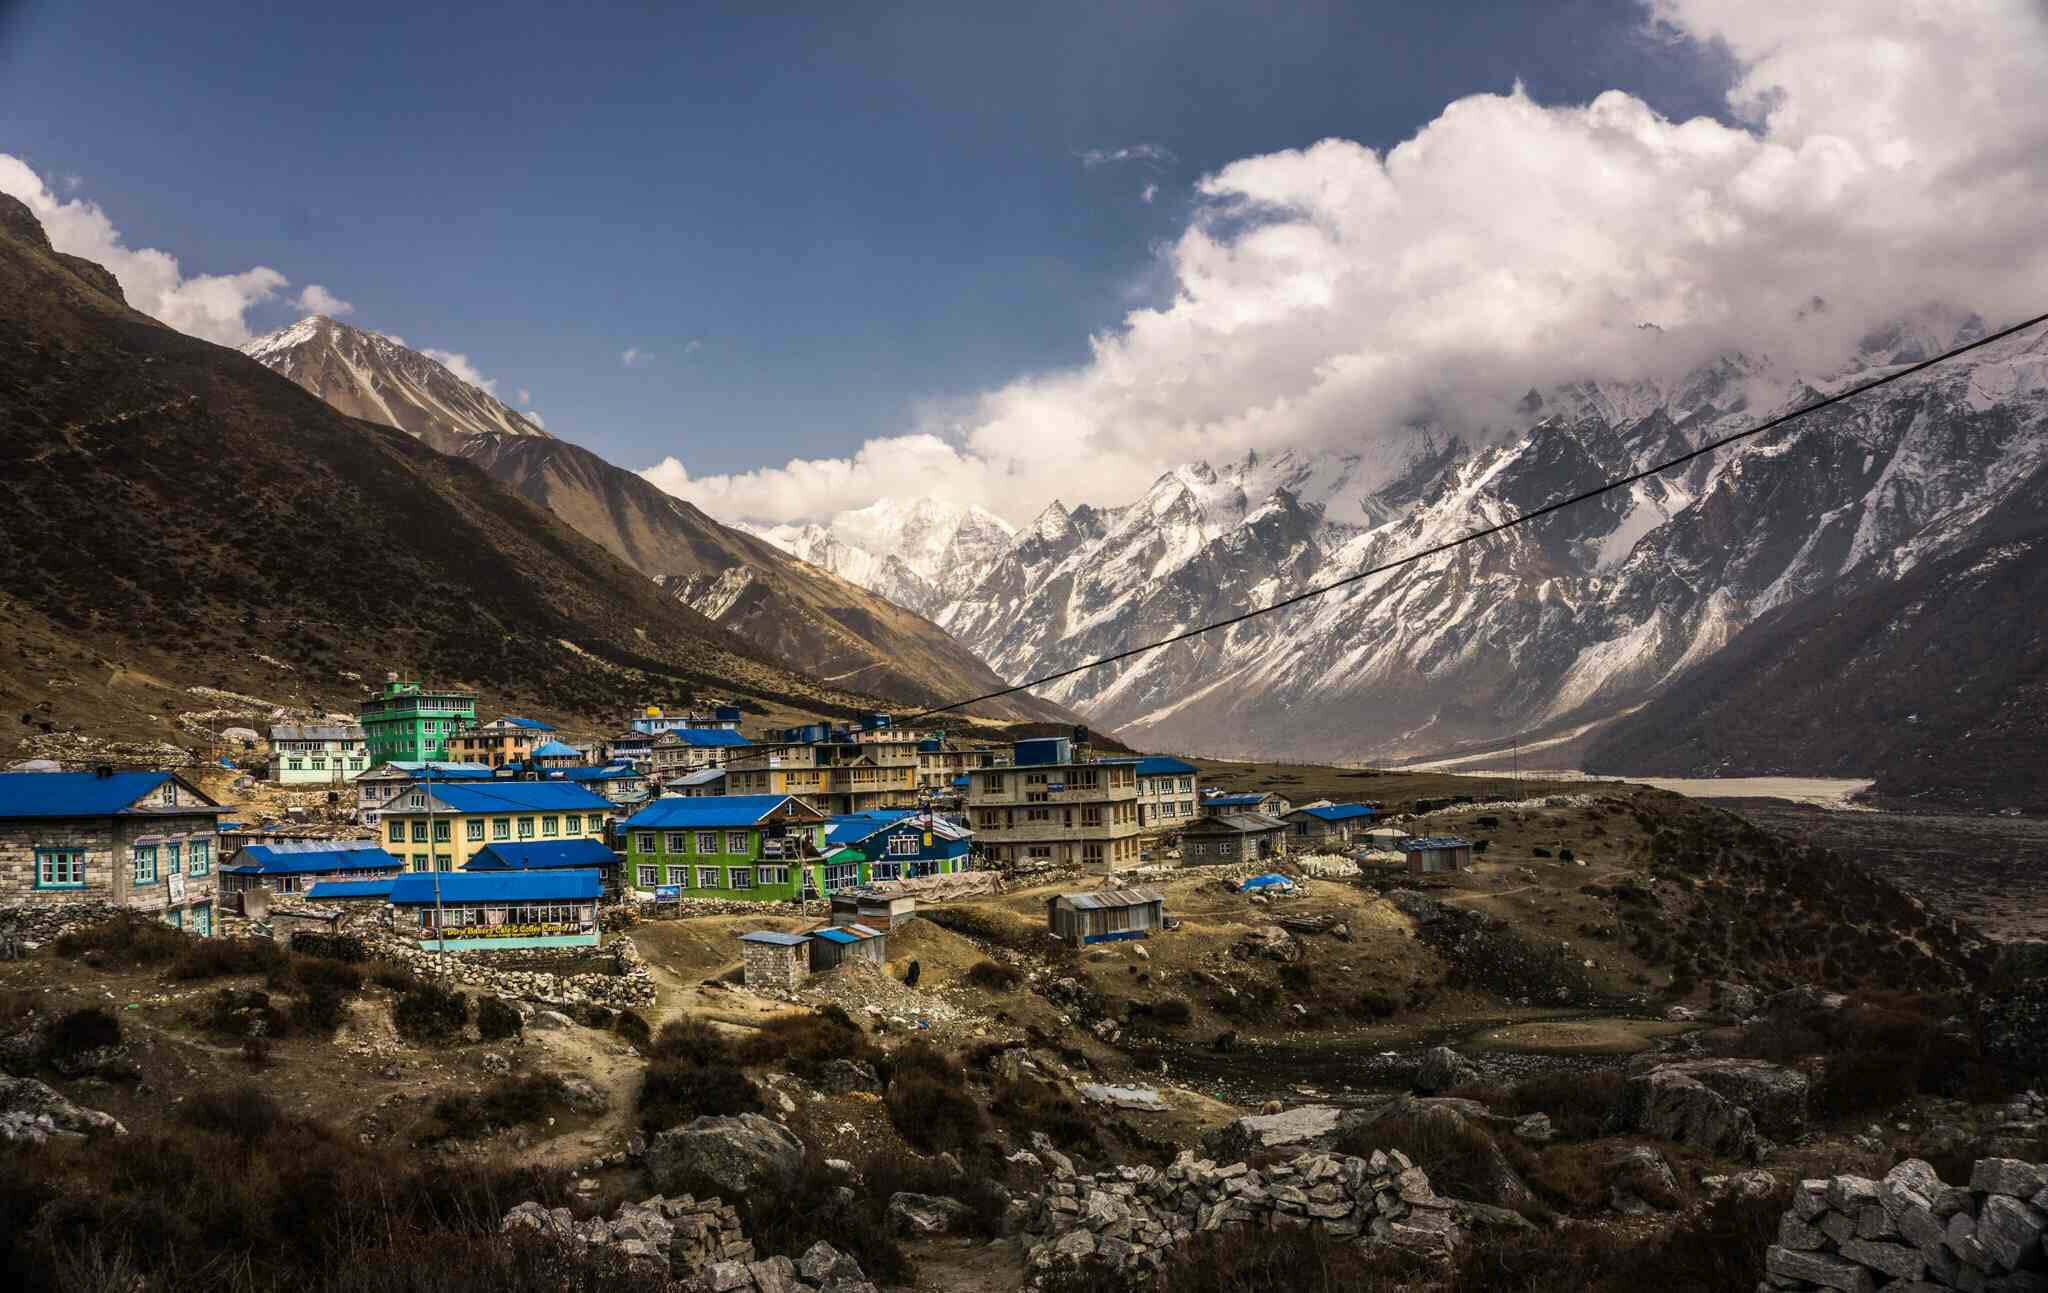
x,y
871,907
1105,916
771,960
838,944
1430,854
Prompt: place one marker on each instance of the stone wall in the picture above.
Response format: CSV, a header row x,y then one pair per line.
x,y
770,967
1911,1231
698,1242
34,924
109,872
630,989
1131,1217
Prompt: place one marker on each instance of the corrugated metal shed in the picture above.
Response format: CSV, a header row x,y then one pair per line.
x,y
1112,898
847,933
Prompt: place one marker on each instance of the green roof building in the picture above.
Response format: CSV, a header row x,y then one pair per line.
x,y
407,722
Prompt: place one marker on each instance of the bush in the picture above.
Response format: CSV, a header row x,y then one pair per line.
x,y
430,1013
932,1114
230,1013
390,974
322,1009
245,1113
1578,1103
891,1172
1029,1105
319,972
692,1040
993,976
221,958
1173,1012
79,1031
256,1054
1297,977
1460,1158
804,1044
529,1098
332,947
673,1091
633,1027
128,937
496,1020
1719,1247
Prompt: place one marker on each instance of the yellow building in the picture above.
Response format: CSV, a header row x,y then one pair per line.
x,y
498,742
441,825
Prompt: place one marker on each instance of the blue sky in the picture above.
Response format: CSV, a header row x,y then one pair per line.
x,y
811,222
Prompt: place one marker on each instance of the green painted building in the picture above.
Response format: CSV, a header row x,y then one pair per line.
x,y
407,722
762,848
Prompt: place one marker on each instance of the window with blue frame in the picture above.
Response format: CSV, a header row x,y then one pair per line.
x,y
199,858
174,860
202,920
60,868
142,857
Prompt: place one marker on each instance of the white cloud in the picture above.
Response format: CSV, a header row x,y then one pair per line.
x,y
1147,193
1149,154
633,357
318,300
1890,153
459,365
206,305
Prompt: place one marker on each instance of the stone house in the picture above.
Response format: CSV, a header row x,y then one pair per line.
x,y
1327,826
555,855
143,840
771,961
903,844
295,866
382,784
1056,813
1232,837
1249,801
500,742
685,750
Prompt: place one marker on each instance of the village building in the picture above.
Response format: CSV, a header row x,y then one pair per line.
x,y
632,748
134,839
295,867
681,751
557,754
654,720
764,848
771,961
838,945
440,825
1385,839
942,761
623,784
1166,793
492,910
233,837
838,771
696,785
871,907
500,742
1248,801
1046,809
555,855
1111,915
1232,837
379,786
406,721
316,754
1328,826
1430,854
903,844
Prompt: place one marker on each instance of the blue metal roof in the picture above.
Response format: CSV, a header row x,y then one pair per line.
x,y
531,724
616,772
437,770
851,828
1161,766
844,934
416,888
351,889
542,855
77,794
514,797
1416,843
708,810
556,750
707,737
1237,799
1337,812
310,857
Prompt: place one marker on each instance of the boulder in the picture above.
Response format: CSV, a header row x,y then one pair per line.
x,y
1675,1106
1736,1000
1638,1180
843,1076
1443,1069
31,1112
922,1215
1309,1126
737,1155
1774,1095
1271,943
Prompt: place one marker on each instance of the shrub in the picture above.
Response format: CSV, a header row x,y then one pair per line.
x,y
79,1031
1173,1012
496,1020
1029,1105
322,1009
633,1027
333,947
528,1098
229,1013
430,1013
811,1208
1564,855
931,1114
1460,1158
221,958
993,976
1297,977
390,974
804,1044
673,1091
245,1113
320,972
1578,1103
128,937
890,1172
1719,1247
256,1053
689,1039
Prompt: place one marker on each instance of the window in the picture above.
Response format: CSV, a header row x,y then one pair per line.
x,y
903,845
649,876
743,877
420,862
442,862
169,794
526,828
994,784
417,799
396,833
60,868
679,875
736,842
643,842
677,842
501,828
174,862
572,824
143,859
550,826
419,832
841,877
1091,854
887,870
707,842
443,832
707,877
295,765
199,858
772,874
473,830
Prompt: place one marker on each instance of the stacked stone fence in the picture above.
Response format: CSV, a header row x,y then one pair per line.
x,y
1132,1217
1911,1232
33,924
698,1242
631,988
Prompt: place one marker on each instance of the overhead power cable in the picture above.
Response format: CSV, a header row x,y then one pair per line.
x,y
1619,482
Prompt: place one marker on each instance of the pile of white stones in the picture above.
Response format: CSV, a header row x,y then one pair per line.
x,y
1133,1216
697,1241
1911,1232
